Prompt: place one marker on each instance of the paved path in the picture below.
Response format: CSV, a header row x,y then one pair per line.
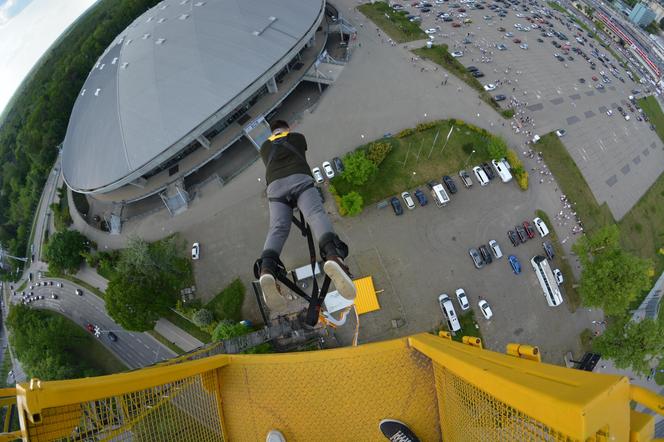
x,y
176,335
90,275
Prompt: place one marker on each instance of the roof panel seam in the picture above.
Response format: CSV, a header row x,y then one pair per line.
x,y
117,109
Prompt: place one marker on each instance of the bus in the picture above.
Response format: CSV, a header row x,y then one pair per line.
x,y
547,280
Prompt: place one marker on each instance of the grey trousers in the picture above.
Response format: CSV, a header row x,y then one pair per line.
x,y
309,203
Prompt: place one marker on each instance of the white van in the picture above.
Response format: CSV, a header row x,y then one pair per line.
x,y
439,195
449,313
503,173
481,176
541,227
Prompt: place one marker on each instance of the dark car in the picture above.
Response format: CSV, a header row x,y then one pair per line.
x,y
500,97
521,232
548,249
112,336
396,206
425,10
540,40
581,80
472,69
530,230
477,259
431,184
421,197
514,239
338,164
79,292
488,170
450,184
477,74
486,255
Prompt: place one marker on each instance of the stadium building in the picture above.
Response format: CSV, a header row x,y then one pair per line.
x,y
183,83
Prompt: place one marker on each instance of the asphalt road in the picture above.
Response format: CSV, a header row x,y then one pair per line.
x,y
134,349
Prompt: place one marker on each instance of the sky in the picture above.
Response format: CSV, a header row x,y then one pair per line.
x,y
27,30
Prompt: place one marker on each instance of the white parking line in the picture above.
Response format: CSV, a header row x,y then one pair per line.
x,y
583,155
601,145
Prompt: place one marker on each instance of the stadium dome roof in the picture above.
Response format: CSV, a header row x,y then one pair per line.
x,y
170,70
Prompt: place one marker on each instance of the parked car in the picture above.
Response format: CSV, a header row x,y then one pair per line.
x,y
486,255
495,248
465,178
396,206
500,97
195,251
485,309
541,227
548,250
514,239
489,87
463,299
450,184
318,176
562,132
515,264
338,164
481,176
477,259
457,54
523,237
408,200
421,197
329,172
489,172
530,230
448,311
559,276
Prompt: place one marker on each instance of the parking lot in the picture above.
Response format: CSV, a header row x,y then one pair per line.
x,y
620,159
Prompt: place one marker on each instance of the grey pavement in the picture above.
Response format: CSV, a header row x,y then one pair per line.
x,y
176,335
90,275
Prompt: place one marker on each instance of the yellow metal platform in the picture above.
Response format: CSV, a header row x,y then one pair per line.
x,y
442,389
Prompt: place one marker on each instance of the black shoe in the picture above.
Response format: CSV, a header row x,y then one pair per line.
x,y
397,431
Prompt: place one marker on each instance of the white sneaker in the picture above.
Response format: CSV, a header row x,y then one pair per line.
x,y
275,435
270,289
340,278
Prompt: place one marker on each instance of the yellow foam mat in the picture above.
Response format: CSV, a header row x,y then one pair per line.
x,y
330,395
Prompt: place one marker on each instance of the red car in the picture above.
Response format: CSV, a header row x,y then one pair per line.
x,y
594,78
456,25
462,10
530,230
90,327
516,40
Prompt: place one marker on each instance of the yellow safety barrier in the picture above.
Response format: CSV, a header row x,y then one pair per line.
x,y
440,388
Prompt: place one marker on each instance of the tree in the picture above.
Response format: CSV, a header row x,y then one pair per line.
x,y
352,203
661,23
202,317
147,282
227,329
611,278
358,168
632,344
64,251
497,147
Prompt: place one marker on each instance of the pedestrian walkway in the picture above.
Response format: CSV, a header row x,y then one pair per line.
x,y
176,335
650,305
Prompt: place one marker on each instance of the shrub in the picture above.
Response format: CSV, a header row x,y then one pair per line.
x,y
426,126
351,204
497,148
378,151
358,168
522,179
202,317
405,133
513,159
227,329
519,172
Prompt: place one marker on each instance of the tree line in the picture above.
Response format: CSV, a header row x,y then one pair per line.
x,y
36,120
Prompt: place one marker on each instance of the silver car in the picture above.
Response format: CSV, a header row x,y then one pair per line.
x,y
476,257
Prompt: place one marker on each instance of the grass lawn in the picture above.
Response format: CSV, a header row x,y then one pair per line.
x,y
22,286
586,338
228,303
440,55
469,326
393,23
652,109
573,184
557,7
408,164
188,326
573,298
159,337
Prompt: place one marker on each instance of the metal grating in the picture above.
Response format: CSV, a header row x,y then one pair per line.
x,y
182,410
470,414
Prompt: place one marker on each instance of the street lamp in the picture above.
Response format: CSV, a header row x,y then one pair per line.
x,y
468,159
